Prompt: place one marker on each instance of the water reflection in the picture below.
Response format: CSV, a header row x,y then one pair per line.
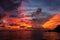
x,y
28,35
51,35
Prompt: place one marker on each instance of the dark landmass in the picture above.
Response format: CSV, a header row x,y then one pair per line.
x,y
57,29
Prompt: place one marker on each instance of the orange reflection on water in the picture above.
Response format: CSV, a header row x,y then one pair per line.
x,y
28,35
51,36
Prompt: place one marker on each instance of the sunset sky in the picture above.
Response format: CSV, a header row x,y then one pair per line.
x,y
49,7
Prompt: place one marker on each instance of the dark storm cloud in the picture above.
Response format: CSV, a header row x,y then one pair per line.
x,y
9,4
10,7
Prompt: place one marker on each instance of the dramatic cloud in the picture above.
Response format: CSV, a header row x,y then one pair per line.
x,y
9,4
9,7
49,6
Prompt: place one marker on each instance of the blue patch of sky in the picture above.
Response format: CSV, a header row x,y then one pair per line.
x,y
50,6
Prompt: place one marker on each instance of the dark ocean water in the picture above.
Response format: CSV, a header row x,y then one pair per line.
x,y
28,35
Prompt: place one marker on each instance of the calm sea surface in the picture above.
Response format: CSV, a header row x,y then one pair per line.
x,y
28,35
